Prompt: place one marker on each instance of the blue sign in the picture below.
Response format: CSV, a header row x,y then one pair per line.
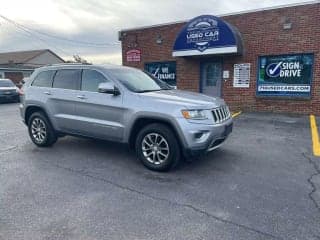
x,y
165,71
205,35
285,75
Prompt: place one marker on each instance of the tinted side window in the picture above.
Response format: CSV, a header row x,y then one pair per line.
x,y
91,80
43,79
67,79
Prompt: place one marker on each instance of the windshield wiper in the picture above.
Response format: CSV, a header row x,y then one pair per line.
x,y
154,90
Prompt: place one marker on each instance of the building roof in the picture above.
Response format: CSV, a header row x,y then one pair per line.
x,y
224,15
22,57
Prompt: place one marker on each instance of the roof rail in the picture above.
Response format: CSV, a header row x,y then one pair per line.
x,y
72,63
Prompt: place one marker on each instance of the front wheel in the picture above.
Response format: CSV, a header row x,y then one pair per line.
x,y
41,131
157,147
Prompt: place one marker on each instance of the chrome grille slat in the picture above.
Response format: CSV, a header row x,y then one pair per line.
x,y
223,113
215,116
226,111
220,117
220,114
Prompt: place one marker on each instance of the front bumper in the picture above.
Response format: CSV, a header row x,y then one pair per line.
x,y
22,112
203,138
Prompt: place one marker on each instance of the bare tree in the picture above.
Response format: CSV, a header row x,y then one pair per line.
x,y
78,59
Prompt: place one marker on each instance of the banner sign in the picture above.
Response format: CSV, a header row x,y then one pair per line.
x,y
207,34
285,75
133,55
165,71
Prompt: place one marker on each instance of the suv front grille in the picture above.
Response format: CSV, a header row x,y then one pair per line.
x,y
220,114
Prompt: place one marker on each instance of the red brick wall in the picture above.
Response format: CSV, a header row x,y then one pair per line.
x,y
263,34
16,77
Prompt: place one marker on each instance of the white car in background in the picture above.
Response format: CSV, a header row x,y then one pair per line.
x,y
9,92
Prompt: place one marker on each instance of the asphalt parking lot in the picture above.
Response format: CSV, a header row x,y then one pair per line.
x,y
262,184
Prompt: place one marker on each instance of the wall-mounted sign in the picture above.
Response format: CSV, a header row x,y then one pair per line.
x,y
285,75
207,34
165,71
226,74
133,55
241,75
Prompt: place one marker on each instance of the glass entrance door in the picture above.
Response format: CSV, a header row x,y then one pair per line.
x,y
211,78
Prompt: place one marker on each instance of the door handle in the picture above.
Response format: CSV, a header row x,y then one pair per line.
x,y
47,92
81,97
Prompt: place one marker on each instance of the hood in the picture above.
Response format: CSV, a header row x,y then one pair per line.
x,y
190,100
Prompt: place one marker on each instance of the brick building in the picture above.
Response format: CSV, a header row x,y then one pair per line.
x,y
263,60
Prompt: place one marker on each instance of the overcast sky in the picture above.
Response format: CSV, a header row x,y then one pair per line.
x,y
98,22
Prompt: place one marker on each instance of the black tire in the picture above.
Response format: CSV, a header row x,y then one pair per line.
x,y
50,136
156,131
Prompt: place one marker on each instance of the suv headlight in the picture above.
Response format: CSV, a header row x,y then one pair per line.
x,y
194,114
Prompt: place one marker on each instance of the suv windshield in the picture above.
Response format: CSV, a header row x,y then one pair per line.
x,y
138,81
6,83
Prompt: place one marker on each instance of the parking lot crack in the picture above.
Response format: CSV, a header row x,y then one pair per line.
x,y
8,149
189,206
310,181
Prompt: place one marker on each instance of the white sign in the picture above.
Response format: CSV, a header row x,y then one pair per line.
x,y
226,74
241,75
284,88
133,55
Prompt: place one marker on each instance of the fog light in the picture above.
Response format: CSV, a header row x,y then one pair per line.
x,y
198,135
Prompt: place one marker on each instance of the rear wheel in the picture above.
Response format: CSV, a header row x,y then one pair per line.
x,y
41,131
157,147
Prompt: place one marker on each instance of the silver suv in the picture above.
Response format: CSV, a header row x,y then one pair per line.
x,y
125,105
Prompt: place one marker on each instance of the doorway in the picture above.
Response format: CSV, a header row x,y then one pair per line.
x,y
211,78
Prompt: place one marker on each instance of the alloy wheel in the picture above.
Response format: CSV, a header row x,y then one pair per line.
x,y
155,148
38,130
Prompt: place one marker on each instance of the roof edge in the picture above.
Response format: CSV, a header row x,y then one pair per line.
x,y
227,14
45,50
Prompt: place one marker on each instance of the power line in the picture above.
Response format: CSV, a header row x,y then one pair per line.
x,y
5,28
30,34
58,37
74,41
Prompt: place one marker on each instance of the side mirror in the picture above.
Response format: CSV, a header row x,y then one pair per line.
x,y
109,88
